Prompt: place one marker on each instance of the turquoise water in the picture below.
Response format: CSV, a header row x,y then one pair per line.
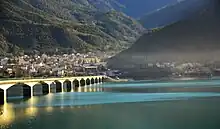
x,y
130,105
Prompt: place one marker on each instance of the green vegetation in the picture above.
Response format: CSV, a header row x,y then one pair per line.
x,y
157,29
49,25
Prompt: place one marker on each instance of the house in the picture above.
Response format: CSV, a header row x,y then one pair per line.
x,y
4,61
9,70
58,71
91,70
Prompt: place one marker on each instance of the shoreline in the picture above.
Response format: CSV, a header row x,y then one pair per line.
x,y
109,79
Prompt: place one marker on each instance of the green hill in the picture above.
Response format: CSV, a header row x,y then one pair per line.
x,y
66,26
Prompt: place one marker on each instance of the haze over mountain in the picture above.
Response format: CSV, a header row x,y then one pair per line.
x,y
171,13
194,39
138,8
65,25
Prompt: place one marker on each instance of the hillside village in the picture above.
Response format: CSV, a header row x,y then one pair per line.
x,y
76,64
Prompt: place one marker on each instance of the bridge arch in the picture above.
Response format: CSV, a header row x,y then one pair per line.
x,y
88,81
53,87
19,90
96,80
2,97
92,81
100,80
76,83
67,86
82,82
41,88
58,85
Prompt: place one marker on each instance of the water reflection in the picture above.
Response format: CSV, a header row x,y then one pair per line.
x,y
7,114
86,89
7,111
32,101
79,89
210,89
49,99
49,109
32,109
92,88
156,112
62,101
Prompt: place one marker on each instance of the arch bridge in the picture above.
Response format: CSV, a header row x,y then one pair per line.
x,y
33,87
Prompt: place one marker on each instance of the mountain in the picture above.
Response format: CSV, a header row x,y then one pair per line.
x,y
193,39
65,25
171,13
138,8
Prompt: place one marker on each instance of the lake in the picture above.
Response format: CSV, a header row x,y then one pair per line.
x,y
131,105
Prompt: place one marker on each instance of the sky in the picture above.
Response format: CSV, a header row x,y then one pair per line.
x,y
138,8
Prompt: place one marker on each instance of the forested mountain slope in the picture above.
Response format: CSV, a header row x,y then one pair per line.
x,y
65,25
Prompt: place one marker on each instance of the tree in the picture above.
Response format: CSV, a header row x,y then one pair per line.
x,y
19,72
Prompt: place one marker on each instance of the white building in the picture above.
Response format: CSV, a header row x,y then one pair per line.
x,y
4,61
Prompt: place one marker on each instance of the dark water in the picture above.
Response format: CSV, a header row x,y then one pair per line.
x,y
139,105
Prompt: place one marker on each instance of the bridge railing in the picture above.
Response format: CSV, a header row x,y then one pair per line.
x,y
12,81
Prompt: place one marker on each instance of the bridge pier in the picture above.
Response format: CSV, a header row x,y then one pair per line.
x,y
49,87
32,91
62,87
5,96
72,86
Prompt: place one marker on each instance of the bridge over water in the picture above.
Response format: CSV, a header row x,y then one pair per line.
x,y
31,87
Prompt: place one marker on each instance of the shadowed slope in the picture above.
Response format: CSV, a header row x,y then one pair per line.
x,y
172,13
195,39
